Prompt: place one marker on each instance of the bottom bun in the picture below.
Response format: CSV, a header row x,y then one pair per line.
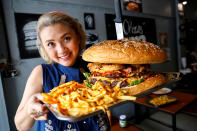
x,y
152,82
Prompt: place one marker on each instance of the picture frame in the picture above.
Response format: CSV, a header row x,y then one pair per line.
x,y
132,5
163,39
89,21
27,35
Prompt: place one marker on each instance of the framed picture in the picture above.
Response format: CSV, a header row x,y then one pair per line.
x,y
26,33
132,5
163,39
89,21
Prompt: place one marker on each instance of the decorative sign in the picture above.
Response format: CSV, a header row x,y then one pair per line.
x,y
134,28
26,32
89,21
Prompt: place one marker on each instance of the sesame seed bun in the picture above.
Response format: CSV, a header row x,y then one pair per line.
x,y
125,51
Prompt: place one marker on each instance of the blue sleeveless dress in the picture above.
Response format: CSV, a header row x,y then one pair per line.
x,y
51,78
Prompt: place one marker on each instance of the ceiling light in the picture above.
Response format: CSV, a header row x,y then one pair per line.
x,y
184,2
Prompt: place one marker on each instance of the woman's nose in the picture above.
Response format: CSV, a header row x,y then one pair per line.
x,y
61,48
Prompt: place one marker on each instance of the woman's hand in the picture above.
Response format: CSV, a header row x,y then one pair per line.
x,y
36,108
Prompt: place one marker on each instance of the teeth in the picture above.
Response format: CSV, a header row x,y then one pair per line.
x,y
64,56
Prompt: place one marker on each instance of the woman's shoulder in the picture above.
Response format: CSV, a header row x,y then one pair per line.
x,y
37,69
43,68
36,72
35,76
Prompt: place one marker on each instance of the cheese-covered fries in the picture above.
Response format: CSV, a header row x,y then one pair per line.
x,y
75,99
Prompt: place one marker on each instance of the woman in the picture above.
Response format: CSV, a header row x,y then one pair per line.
x,y
60,42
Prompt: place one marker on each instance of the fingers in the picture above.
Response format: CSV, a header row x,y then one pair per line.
x,y
43,110
36,108
39,114
41,117
37,97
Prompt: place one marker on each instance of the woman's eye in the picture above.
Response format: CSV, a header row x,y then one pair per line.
x,y
50,44
67,38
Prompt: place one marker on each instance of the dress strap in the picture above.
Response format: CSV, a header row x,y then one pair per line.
x,y
51,77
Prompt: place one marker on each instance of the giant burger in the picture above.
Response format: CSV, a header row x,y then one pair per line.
x,y
126,64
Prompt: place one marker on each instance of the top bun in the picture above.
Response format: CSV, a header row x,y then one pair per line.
x,y
125,51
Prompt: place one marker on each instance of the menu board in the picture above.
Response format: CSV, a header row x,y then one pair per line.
x,y
27,35
134,28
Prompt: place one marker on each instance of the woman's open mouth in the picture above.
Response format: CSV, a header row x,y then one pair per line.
x,y
65,57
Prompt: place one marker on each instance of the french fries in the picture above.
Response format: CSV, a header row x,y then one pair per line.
x,y
75,99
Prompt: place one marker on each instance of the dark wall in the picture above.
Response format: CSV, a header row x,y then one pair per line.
x,y
190,9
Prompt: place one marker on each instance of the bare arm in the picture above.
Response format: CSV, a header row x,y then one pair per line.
x,y
31,102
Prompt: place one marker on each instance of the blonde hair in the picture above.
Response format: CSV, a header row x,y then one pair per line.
x,y
58,17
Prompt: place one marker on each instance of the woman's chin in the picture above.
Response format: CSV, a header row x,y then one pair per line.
x,y
66,62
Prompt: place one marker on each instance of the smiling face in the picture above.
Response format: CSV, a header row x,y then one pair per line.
x,y
61,43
